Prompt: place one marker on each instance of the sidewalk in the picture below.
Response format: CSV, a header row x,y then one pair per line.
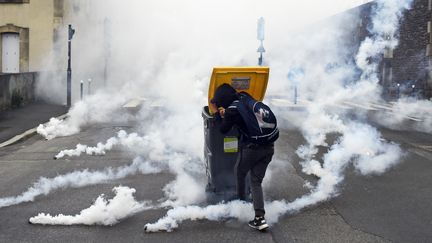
x,y
19,120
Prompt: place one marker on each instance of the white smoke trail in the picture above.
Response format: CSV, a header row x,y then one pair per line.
x,y
184,190
79,179
150,145
342,153
234,209
359,144
56,127
102,212
385,26
91,110
418,111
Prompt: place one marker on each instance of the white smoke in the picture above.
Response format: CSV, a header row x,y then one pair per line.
x,y
385,26
186,189
234,209
169,74
358,144
99,107
150,145
102,212
417,112
79,179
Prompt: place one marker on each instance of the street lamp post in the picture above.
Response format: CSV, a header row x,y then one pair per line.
x,y
69,69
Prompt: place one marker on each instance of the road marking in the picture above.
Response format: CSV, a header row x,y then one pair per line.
x,y
384,107
366,107
425,147
25,134
414,118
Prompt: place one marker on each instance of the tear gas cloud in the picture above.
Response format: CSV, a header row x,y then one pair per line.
x,y
151,146
102,212
174,57
188,169
420,110
171,50
78,179
358,144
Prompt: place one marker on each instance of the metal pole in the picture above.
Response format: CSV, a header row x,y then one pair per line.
x,y
105,71
89,86
398,90
295,95
260,60
107,47
82,88
69,69
69,74
260,37
413,91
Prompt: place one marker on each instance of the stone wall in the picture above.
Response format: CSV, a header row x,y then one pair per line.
x,y
406,70
410,60
17,89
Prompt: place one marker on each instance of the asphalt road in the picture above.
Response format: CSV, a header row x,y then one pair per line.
x,y
18,120
394,207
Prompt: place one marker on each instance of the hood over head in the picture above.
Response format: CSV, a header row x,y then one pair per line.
x,y
224,96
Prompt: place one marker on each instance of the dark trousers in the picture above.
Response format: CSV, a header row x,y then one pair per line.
x,y
253,158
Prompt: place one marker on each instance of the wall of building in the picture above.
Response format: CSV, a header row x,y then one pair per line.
x,y
406,70
410,60
37,18
17,89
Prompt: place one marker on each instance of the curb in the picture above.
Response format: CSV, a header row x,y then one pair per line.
x,y
25,134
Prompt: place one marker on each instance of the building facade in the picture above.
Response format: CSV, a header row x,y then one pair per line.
x,y
406,70
28,32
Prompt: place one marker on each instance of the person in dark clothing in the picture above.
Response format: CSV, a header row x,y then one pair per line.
x,y
252,157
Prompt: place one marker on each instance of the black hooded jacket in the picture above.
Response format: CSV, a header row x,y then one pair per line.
x,y
224,96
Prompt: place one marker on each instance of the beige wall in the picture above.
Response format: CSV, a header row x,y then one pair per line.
x,y
38,17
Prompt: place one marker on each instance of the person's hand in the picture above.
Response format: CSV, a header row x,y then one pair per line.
x,y
213,107
221,112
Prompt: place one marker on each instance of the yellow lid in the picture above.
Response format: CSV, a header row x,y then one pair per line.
x,y
252,80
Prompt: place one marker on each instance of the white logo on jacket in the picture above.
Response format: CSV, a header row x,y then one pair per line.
x,y
260,115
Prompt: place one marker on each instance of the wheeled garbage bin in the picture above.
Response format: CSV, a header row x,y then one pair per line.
x,y
221,150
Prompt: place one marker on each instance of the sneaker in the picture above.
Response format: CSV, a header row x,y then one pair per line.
x,y
259,223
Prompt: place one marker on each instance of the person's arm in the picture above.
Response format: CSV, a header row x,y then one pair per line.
x,y
229,120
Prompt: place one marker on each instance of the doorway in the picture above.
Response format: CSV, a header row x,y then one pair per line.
x,y
10,52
